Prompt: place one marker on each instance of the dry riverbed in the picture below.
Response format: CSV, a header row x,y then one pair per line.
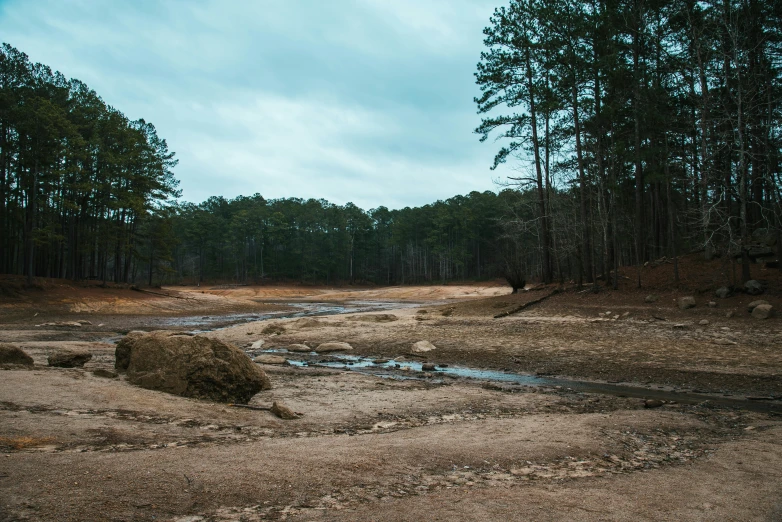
x,y
400,444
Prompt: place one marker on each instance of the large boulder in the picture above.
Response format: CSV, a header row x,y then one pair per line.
x,y
10,354
69,358
686,302
753,287
190,366
763,311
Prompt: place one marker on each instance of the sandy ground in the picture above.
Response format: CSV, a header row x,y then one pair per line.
x,y
76,446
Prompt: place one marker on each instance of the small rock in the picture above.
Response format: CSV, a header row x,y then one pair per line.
x,y
729,314
703,322
724,342
69,358
680,326
333,347
722,292
762,311
301,348
653,403
428,367
686,302
651,298
625,315
283,412
106,374
10,354
422,347
753,287
712,304
270,359
84,322
751,306
257,345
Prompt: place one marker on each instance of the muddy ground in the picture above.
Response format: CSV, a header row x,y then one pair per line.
x,y
407,445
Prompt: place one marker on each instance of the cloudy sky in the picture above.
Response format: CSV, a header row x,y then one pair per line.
x,y
369,101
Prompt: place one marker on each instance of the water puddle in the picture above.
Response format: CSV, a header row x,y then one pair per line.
x,y
404,369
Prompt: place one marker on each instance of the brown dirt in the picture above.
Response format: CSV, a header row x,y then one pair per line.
x,y
78,446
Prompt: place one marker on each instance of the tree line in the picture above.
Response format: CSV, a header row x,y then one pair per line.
x,y
79,181
660,120
637,128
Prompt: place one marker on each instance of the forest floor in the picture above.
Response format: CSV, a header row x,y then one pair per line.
x,y
569,439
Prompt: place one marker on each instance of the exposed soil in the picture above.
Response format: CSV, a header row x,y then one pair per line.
x,y
80,445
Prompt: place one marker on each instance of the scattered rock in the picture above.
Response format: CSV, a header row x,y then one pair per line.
x,y
283,412
703,322
270,359
762,311
653,403
104,373
69,358
422,347
625,315
10,354
651,298
729,314
722,292
724,342
753,287
374,318
615,317
300,348
712,304
190,366
257,345
84,322
751,306
686,302
273,329
428,367
333,347
680,326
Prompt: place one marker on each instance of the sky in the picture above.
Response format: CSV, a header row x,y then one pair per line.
x,y
363,101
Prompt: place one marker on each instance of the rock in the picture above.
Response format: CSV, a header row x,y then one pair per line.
x,y
333,347
614,318
751,306
270,359
422,347
273,329
282,411
653,403
651,298
762,311
428,367
724,342
106,374
300,348
712,304
257,345
729,314
10,354
753,287
722,292
84,322
686,302
625,315
190,366
374,318
680,326
69,358
703,322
